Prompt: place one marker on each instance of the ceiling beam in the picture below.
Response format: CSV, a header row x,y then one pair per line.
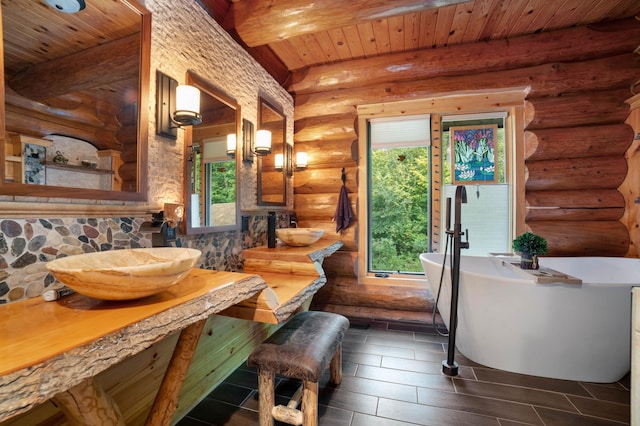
x,y
220,11
260,22
565,45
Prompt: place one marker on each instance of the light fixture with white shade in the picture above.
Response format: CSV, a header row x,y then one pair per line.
x,y
176,106
187,111
254,147
262,144
301,160
231,145
279,162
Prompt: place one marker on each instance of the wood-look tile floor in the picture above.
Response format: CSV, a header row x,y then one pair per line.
x,y
392,376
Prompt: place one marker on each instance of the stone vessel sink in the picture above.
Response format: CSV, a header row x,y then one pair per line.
x,y
299,237
124,274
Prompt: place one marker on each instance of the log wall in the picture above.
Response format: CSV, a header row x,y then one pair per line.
x,y
630,187
575,133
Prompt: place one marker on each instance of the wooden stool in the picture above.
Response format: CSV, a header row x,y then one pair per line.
x,y
301,349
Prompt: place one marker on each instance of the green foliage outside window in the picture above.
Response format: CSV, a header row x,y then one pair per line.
x,y
223,181
399,207
399,218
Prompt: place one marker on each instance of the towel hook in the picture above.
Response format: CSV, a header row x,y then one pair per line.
x,y
344,176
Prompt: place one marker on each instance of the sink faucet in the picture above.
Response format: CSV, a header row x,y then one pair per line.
x,y
293,223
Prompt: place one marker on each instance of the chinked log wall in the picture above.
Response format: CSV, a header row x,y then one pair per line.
x,y
579,80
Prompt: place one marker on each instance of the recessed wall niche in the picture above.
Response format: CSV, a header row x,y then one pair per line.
x,y
75,163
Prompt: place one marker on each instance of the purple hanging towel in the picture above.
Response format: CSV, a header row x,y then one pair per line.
x,y
343,213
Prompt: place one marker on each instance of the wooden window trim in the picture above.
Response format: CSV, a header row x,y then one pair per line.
x,y
510,101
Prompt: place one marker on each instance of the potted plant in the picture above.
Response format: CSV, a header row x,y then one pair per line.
x,y
530,246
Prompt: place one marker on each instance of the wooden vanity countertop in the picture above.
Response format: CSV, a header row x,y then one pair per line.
x,y
293,276
48,347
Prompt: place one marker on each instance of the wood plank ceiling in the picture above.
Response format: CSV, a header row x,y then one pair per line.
x,y
51,64
290,36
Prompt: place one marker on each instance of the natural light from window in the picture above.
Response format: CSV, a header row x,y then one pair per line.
x,y
399,193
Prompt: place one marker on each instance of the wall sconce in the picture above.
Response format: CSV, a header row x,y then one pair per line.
x,y
231,145
301,160
176,106
247,141
258,147
279,162
187,112
263,143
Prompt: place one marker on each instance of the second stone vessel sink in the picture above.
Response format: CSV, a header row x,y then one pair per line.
x,y
299,237
124,274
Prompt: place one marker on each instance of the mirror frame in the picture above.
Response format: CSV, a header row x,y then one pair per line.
x,y
262,103
194,79
49,191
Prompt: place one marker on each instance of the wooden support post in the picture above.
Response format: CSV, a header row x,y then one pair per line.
x,y
309,403
335,367
166,402
87,404
289,414
266,397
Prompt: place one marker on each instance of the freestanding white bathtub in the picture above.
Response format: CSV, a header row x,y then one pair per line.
x,y
563,331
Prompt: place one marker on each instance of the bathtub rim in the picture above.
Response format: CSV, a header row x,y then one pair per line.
x,y
521,279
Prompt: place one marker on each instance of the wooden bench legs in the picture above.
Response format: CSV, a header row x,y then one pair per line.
x,y
309,403
266,396
303,348
335,367
308,397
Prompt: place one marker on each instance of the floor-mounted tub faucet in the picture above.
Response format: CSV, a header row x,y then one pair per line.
x,y
449,366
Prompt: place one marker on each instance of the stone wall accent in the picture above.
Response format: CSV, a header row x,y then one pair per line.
x,y
26,245
223,250
185,37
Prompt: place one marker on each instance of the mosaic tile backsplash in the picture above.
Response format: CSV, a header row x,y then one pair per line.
x,y
26,245
223,250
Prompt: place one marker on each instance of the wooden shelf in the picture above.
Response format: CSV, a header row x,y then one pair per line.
x,y
74,168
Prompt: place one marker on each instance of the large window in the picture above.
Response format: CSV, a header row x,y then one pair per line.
x,y
398,182
407,172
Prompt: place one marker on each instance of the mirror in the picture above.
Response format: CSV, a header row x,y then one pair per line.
x,y
211,176
76,89
272,182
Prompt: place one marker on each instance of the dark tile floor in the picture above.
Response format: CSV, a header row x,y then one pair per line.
x,y
392,376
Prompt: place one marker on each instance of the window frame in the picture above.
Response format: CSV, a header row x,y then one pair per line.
x,y
371,145
511,101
